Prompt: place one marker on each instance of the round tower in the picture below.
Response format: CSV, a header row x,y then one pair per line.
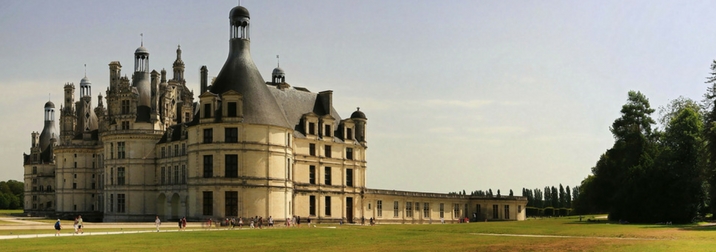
x,y
48,131
361,122
142,82
178,66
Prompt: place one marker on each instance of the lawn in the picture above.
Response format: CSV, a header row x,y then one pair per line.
x,y
557,234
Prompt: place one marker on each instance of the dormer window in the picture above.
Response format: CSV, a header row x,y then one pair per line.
x,y
311,128
231,109
207,110
327,130
349,133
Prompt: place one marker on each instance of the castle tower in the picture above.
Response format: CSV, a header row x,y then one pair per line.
x,y
361,121
141,81
240,74
49,132
178,67
68,118
87,118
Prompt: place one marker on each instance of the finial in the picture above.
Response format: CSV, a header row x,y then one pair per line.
x,y
85,70
142,38
278,62
358,108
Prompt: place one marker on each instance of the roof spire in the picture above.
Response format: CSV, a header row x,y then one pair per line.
x,y
278,62
85,70
141,35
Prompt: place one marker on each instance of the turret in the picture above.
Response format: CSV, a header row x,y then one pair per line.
x,y
48,131
141,81
240,74
178,67
360,120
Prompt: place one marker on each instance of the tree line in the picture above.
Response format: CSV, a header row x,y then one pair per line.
x,y
653,174
11,194
487,193
551,196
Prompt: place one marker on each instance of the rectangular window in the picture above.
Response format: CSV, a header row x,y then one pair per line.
x,y
176,150
426,210
456,211
231,206
349,153
328,176
164,154
111,150
120,150
120,203
379,208
312,174
507,212
34,170
93,185
349,133
183,174
111,176
409,209
208,201
328,206
328,130
208,166
125,125
74,185
125,106
231,168
176,174
312,205
231,135
312,149
395,209
162,178
311,128
231,109
208,135
183,148
207,110
328,151
442,210
478,209
349,177
120,175
495,212
111,203
169,175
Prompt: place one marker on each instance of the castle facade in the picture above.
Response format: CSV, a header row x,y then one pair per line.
x,y
245,147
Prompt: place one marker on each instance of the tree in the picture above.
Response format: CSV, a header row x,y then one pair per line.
x,y
547,197
568,202
511,194
710,137
677,179
620,173
562,197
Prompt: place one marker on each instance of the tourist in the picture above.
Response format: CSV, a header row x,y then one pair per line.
x,y
308,220
58,227
157,222
270,221
75,225
252,223
183,223
241,222
298,221
261,222
179,223
80,225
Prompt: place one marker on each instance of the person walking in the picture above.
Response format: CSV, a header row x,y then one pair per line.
x,y
157,222
58,227
75,225
80,225
183,223
241,222
270,221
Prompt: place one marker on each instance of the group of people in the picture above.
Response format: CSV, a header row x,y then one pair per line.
x,y
78,224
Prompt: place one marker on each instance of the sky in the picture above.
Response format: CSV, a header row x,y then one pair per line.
x,y
459,95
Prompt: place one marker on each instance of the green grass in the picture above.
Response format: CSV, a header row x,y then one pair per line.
x,y
584,236
8,212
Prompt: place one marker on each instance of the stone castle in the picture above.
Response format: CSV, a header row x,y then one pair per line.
x,y
246,147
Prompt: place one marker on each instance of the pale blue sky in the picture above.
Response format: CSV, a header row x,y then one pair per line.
x,y
458,94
